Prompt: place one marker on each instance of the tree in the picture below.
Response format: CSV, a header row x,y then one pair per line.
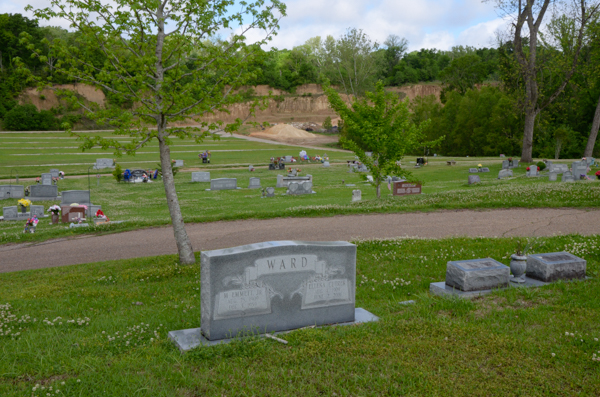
x,y
527,18
167,59
384,126
463,74
395,49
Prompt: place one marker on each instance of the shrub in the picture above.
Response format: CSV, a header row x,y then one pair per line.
x,y
541,165
327,124
118,173
27,118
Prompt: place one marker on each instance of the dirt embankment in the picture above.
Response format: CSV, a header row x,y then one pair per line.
x,y
47,98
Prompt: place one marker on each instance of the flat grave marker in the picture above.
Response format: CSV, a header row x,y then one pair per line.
x,y
223,184
555,266
200,176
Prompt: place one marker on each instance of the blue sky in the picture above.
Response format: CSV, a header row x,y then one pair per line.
x,y
437,24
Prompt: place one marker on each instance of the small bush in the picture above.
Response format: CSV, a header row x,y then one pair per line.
x,y
27,118
542,165
118,173
327,124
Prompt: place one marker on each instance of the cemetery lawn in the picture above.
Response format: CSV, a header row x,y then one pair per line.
x,y
143,205
100,329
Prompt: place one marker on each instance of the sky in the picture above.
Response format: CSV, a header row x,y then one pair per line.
x,y
439,24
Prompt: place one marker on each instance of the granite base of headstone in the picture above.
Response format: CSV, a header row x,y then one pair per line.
x,y
474,179
12,192
254,183
555,266
477,274
276,286
443,289
223,184
356,195
43,192
200,176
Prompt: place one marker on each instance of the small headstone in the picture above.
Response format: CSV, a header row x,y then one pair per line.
x,y
477,274
43,192
270,192
473,170
533,171
47,179
505,173
178,163
552,176
254,183
484,169
370,178
590,161
548,164
104,163
474,179
293,172
406,188
555,266
37,210
362,168
10,213
223,184
12,191
505,164
276,286
558,168
54,172
356,195
326,164
579,168
75,196
567,176
200,176
250,168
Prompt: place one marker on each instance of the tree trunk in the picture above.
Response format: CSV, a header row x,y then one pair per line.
x,y
526,154
589,149
184,246
378,190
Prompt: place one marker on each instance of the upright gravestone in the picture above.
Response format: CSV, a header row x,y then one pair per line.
x,y
484,169
200,176
558,168
12,191
477,274
280,182
555,266
254,183
10,213
406,188
54,172
474,179
270,192
325,163
250,168
37,210
178,163
548,164
104,163
552,176
43,192
276,286
579,168
505,164
505,173
297,188
567,176
223,184
532,171
362,168
356,195
81,197
513,164
47,179
473,170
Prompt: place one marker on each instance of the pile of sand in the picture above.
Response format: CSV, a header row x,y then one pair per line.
x,y
283,132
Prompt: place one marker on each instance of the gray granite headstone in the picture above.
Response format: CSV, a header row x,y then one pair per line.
x,y
54,172
362,168
254,183
477,274
223,184
552,176
280,181
356,195
484,169
567,176
505,173
75,196
270,192
555,266
276,286
10,212
473,170
325,163
533,171
293,172
178,163
474,179
590,161
12,191
505,164
200,176
43,192
513,164
104,163
37,210
579,168
47,179
558,168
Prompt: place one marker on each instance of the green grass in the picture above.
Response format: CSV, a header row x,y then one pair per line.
x,y
502,344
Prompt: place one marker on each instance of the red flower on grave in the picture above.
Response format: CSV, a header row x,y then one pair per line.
x,y
538,168
597,173
527,168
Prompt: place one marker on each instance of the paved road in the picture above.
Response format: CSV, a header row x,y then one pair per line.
x,y
160,241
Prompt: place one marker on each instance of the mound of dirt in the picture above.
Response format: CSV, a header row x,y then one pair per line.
x,y
283,132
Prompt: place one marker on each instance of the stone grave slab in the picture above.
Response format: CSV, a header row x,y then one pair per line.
x,y
474,179
71,213
254,183
75,196
178,163
361,168
567,176
406,188
326,164
43,192
505,164
104,163
276,286
12,191
579,168
473,170
297,188
513,164
200,176
484,169
552,176
555,266
54,172
223,184
443,289
37,210
533,171
10,213
270,192
477,274
505,173
356,195
558,168
47,179
284,181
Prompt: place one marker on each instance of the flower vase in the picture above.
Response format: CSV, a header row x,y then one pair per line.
x,y
518,266
23,209
55,219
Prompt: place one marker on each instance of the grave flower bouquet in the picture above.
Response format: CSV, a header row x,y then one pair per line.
x,y
598,174
100,215
24,202
31,223
55,209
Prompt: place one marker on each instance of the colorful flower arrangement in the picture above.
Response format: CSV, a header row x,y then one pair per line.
x,y
55,209
100,215
24,202
30,224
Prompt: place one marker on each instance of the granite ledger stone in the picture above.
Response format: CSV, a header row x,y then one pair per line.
x,y
477,274
555,266
200,176
223,184
276,286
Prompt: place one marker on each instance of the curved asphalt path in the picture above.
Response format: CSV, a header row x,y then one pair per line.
x,y
207,236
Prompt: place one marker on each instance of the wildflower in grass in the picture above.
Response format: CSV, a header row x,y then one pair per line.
x,y
553,354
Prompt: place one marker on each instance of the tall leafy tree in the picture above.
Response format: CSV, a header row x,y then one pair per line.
x,y
166,58
379,123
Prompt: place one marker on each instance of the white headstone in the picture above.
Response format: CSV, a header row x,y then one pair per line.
x,y
356,195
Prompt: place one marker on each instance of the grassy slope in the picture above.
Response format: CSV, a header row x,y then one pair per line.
x,y
498,345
